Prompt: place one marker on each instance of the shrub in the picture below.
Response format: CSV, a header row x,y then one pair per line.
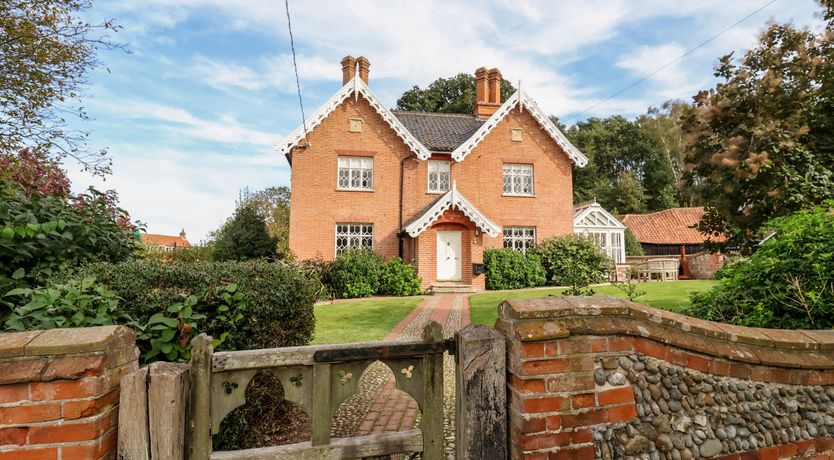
x,y
510,269
356,273
787,283
573,260
245,237
321,271
40,234
275,300
632,246
398,279
192,254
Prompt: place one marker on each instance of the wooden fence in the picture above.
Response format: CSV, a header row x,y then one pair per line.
x,y
171,411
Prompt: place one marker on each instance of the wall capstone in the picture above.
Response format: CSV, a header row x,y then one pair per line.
x,y
59,391
601,378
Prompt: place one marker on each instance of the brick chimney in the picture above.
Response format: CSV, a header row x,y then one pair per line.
x,y
348,69
364,68
487,92
182,233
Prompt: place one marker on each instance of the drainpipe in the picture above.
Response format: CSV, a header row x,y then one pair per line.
x,y
401,233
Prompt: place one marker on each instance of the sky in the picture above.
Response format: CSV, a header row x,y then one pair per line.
x,y
192,112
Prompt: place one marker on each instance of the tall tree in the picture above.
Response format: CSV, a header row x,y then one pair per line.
x,y
46,51
273,203
664,125
244,237
447,95
761,142
623,158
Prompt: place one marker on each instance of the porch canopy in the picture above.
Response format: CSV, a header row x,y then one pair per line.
x,y
449,200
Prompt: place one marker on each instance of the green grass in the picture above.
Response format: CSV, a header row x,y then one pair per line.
x,y
361,320
672,296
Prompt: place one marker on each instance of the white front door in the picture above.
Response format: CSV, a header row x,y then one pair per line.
x,y
448,256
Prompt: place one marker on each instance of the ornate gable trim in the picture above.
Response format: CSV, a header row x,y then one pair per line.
x,y
355,87
520,98
452,199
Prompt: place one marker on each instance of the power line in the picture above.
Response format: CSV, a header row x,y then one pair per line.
x,y
671,62
295,67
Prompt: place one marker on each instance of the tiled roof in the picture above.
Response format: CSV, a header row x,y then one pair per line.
x,y
440,132
672,226
165,240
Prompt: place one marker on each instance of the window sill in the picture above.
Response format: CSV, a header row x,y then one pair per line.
x,y
513,195
436,193
365,190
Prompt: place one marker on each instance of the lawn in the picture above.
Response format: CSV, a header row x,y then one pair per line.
x,y
672,296
361,320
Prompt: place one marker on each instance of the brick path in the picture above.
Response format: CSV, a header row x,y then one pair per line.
x,y
379,407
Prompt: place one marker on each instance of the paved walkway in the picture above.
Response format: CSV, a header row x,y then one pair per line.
x,y
379,407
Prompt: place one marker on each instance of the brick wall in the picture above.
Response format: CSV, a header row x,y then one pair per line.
x,y
597,378
59,392
703,265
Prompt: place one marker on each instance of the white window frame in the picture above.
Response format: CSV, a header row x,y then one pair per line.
x,y
355,173
605,239
358,233
517,173
442,171
520,238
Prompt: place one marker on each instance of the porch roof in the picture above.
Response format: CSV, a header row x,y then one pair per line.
x,y
449,200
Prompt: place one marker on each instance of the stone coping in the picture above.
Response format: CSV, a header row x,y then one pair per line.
x,y
529,320
64,341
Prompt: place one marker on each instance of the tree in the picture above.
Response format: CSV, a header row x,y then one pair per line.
x,y
447,95
761,142
273,203
664,125
623,158
244,237
35,173
46,51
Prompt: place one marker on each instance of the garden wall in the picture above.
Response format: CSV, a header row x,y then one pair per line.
x,y
59,392
600,378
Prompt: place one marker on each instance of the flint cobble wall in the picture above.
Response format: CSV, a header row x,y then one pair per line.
x,y
598,378
59,392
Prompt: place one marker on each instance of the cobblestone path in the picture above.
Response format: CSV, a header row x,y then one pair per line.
x,y
379,407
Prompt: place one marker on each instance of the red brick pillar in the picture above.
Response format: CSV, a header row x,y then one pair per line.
x,y
59,392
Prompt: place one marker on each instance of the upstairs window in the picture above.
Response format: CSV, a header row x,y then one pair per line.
x,y
439,175
518,179
520,238
354,236
356,173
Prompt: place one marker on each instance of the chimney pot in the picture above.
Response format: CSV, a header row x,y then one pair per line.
x,y
348,69
487,82
364,68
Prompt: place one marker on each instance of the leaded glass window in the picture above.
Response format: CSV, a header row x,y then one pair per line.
x,y
354,236
518,179
520,238
356,173
439,175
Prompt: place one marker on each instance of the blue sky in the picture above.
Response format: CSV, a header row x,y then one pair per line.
x,y
191,114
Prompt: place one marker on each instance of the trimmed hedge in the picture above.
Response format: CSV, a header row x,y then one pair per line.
x,y
363,273
510,269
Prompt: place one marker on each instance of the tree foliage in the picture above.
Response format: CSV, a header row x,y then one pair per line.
x,y
34,172
46,51
761,142
787,283
447,95
273,203
626,172
245,237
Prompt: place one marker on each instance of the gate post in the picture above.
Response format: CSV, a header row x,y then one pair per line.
x,y
199,414
481,394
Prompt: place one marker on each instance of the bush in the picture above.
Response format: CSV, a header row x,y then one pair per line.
x,y
399,279
632,246
788,283
41,234
356,273
510,269
192,254
245,237
275,301
321,271
573,260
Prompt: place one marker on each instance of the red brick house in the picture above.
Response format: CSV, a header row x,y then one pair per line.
x,y
435,189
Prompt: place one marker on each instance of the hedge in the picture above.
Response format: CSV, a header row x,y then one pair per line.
x,y
510,269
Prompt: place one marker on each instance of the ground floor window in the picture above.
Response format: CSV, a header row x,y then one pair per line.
x,y
353,236
519,238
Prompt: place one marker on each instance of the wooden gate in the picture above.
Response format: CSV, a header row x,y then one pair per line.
x,y
319,379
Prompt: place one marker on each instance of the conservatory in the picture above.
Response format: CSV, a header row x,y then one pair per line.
x,y
609,233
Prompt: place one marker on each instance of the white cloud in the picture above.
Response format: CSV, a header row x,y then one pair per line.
x,y
268,72
673,80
